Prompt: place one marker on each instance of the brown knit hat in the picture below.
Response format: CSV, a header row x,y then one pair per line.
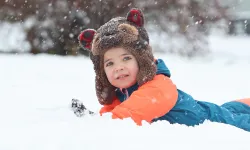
x,y
128,33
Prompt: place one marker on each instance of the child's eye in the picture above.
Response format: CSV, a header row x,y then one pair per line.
x,y
127,58
109,64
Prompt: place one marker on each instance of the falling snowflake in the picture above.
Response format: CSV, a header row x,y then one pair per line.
x,y
154,100
104,93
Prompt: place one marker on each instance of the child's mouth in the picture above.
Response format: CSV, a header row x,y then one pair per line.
x,y
122,76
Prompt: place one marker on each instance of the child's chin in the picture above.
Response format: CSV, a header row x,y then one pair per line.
x,y
124,86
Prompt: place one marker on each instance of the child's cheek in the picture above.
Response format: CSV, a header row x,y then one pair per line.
x,y
109,74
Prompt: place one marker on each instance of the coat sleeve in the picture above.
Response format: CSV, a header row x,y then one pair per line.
x,y
109,108
152,100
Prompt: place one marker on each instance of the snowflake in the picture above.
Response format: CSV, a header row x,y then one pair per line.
x,y
154,100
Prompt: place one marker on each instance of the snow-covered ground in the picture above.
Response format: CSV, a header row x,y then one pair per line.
x,y
35,93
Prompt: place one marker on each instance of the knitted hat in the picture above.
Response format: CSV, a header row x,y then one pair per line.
x,y
128,33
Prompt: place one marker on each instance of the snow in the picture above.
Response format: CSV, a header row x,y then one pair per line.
x,y
13,38
231,47
36,92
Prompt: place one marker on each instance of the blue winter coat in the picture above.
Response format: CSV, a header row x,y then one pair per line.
x,y
192,112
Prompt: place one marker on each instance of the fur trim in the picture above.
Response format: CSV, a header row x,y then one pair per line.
x,y
128,33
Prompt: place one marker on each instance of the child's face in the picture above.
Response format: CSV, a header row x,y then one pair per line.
x,y
121,67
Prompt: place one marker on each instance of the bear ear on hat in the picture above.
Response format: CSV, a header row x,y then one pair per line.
x,y
136,16
85,38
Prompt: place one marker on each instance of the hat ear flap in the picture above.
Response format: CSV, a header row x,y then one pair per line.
x,y
85,38
136,16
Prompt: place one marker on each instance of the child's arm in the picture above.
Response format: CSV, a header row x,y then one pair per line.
x,y
109,108
152,100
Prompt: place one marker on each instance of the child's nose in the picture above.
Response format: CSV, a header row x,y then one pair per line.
x,y
119,68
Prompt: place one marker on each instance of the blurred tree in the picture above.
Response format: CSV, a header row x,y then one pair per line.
x,y
53,25
100,11
186,21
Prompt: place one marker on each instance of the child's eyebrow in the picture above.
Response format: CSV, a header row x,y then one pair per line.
x,y
125,54
107,60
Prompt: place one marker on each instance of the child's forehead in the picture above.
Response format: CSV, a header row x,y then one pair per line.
x,y
116,52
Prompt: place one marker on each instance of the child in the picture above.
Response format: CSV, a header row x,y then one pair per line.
x,y
131,83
